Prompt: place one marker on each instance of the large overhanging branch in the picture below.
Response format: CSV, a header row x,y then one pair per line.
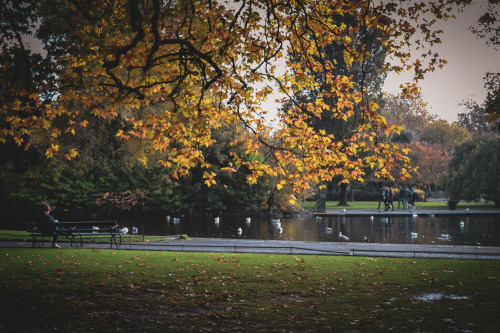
x,y
186,51
170,68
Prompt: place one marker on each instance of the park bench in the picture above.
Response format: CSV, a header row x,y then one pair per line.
x,y
78,231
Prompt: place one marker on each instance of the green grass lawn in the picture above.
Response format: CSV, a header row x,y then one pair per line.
x,y
432,205
24,236
121,290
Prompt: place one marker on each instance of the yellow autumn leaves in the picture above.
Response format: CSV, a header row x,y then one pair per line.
x,y
174,72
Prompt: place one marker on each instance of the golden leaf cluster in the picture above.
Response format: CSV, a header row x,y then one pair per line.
x,y
176,71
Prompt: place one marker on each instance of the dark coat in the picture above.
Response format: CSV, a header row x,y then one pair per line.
x,y
46,223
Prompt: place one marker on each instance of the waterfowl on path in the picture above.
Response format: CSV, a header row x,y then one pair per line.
x,y
342,237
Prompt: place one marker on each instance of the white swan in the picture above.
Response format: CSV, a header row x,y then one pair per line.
x,y
343,238
277,225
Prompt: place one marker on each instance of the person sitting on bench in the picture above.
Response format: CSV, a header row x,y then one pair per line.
x,y
47,225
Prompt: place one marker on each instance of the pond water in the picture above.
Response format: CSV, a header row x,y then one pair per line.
x,y
451,230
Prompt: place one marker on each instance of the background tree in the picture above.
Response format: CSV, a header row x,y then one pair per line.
x,y
427,140
407,111
492,103
431,160
474,119
441,132
475,169
225,187
367,77
488,28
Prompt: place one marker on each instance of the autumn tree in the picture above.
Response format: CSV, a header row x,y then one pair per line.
x,y
444,133
367,77
430,160
26,77
174,71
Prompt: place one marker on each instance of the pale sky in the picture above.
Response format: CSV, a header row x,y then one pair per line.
x,y
469,58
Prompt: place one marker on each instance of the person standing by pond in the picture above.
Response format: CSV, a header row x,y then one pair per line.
x,y
406,197
401,196
47,225
381,197
412,198
390,201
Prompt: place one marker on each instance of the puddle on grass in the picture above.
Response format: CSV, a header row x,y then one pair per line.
x,y
438,296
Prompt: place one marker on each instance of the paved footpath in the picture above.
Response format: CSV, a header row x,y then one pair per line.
x,y
299,248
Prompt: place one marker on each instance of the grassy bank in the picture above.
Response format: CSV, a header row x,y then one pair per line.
x,y
120,290
24,236
432,205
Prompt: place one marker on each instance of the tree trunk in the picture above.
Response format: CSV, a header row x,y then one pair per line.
x,y
343,195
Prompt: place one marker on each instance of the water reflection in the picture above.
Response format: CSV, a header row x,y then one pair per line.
x,y
452,230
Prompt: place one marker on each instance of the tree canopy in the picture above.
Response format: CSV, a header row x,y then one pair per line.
x,y
474,170
173,72
488,28
474,120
